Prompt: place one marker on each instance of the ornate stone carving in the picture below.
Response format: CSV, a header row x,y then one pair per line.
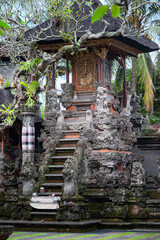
x,y
70,179
102,100
112,130
137,175
67,95
52,101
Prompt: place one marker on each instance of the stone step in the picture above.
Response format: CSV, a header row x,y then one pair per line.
x,y
52,185
63,151
153,194
52,179
53,189
153,206
153,201
59,194
60,157
68,142
149,142
54,175
65,148
71,134
55,169
59,160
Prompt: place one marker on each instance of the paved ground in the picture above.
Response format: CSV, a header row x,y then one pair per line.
x,y
94,235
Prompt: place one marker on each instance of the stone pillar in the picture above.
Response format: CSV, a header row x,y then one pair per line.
x,y
28,148
2,171
67,70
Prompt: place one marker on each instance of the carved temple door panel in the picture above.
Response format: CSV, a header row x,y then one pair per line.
x,y
84,71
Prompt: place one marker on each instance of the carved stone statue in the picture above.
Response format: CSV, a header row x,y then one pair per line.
x,y
52,101
102,103
70,179
137,175
67,95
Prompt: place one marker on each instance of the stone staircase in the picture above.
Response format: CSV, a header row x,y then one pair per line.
x,y
153,205
45,205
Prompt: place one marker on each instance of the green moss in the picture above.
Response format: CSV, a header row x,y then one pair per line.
x,y
147,132
112,210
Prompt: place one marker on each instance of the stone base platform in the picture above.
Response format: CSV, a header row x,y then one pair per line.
x,y
22,225
131,225
85,226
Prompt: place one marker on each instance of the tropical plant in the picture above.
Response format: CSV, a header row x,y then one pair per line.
x,y
7,84
29,65
30,92
145,80
100,11
9,112
3,26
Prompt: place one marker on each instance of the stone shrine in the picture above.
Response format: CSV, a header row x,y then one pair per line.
x,y
88,169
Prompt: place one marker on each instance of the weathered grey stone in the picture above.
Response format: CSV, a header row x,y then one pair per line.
x,y
137,175
52,105
67,95
89,119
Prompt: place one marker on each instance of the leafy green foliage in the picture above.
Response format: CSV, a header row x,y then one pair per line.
x,y
29,65
154,119
67,36
7,84
99,13
102,10
118,81
115,11
30,92
147,132
60,11
117,70
42,111
3,26
10,112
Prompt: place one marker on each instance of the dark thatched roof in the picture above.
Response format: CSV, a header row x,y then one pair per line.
x,y
6,97
141,43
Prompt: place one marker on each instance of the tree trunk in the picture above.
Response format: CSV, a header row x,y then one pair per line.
x,y
151,73
134,75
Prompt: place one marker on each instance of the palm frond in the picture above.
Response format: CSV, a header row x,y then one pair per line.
x,y
145,80
155,31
